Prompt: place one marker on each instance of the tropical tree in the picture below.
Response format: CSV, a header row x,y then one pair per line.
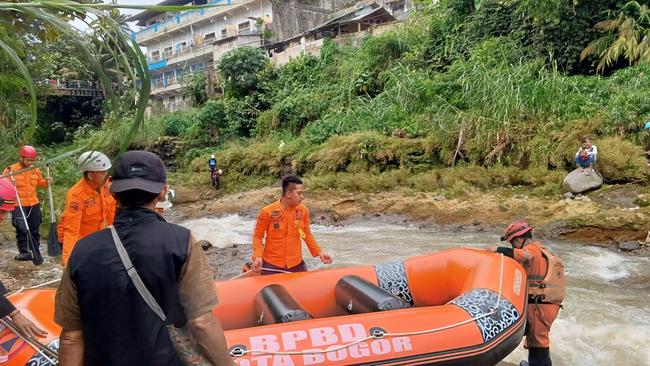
x,y
627,37
112,56
51,18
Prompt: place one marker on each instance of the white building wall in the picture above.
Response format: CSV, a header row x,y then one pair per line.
x,y
219,22
166,80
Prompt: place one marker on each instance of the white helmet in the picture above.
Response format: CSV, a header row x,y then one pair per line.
x,y
212,156
94,161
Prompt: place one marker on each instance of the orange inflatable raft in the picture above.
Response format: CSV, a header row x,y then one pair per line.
x,y
455,307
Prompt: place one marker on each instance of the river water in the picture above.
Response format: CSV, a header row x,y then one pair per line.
x,y
606,317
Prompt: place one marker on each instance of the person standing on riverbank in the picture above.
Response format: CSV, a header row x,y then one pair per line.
x,y
7,200
546,288
26,183
100,306
279,231
89,205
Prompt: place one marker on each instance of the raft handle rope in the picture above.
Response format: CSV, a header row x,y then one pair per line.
x,y
263,269
376,333
33,287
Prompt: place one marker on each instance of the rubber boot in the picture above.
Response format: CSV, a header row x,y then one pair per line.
x,y
23,257
539,357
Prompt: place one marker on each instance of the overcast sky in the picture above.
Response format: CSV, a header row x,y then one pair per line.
x,y
135,2
82,26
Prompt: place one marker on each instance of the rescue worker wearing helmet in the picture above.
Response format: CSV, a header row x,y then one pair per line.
x,y
89,205
7,201
546,288
26,183
212,163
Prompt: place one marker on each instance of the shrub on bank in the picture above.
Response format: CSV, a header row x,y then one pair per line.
x,y
621,161
175,124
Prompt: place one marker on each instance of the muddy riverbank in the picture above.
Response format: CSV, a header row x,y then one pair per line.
x,y
608,216
605,217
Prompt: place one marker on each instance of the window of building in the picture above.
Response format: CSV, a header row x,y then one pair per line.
x,y
180,47
224,33
167,51
242,27
209,37
155,55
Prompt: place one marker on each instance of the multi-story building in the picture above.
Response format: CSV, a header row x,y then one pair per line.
x,y
179,43
190,41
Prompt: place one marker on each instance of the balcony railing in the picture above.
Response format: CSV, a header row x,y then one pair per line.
x,y
171,57
181,18
175,81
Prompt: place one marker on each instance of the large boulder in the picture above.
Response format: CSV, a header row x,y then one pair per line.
x,y
578,182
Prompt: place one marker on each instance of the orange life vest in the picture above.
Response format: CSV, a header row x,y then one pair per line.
x,y
550,287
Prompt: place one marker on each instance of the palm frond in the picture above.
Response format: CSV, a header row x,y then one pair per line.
x,y
115,42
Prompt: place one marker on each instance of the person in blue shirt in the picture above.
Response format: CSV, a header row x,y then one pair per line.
x,y
588,145
585,161
212,163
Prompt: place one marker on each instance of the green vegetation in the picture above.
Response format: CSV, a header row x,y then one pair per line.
x,y
466,95
497,90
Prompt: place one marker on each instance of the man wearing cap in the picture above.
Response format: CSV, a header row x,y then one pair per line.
x,y
103,317
89,205
26,183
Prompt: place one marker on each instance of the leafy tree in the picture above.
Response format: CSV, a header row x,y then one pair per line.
x,y
240,70
195,87
627,37
60,60
209,124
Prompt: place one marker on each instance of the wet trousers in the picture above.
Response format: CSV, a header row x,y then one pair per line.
x,y
540,317
33,215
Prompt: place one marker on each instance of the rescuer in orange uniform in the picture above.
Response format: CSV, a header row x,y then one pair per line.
x,y
7,309
89,205
546,288
284,223
26,183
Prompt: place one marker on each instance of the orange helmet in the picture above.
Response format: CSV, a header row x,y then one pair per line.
x,y
517,228
27,151
7,195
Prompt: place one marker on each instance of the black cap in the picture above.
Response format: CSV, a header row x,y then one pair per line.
x,y
139,170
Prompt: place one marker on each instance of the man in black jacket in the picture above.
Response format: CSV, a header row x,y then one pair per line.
x,y
105,320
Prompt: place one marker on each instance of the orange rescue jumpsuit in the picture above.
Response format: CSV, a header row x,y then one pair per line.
x,y
283,230
86,211
26,184
540,316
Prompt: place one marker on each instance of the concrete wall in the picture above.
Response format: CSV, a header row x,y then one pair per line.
x,y
292,17
313,47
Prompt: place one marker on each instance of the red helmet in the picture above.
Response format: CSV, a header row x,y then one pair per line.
x,y
7,195
517,228
27,151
